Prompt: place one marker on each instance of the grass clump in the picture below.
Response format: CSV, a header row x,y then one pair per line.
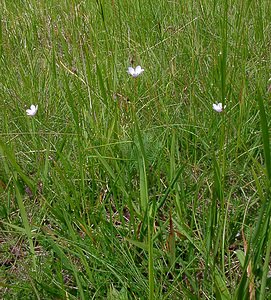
x,y
135,188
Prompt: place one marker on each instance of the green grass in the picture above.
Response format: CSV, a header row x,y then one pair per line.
x,y
135,188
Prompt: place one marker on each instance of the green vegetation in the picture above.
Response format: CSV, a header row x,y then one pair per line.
x,y
135,188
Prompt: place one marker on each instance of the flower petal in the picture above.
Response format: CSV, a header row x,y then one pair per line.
x,y
138,70
32,111
218,107
131,71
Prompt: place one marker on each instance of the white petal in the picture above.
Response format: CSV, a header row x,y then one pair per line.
x,y
131,71
218,107
32,111
138,70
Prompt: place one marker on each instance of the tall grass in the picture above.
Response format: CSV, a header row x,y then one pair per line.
x,y
135,188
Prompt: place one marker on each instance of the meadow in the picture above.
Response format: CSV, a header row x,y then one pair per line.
x,y
134,187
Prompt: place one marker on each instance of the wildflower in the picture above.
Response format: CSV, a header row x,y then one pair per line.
x,y
135,72
218,107
32,111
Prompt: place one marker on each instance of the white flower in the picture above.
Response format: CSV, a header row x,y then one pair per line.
x,y
32,111
218,107
135,72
